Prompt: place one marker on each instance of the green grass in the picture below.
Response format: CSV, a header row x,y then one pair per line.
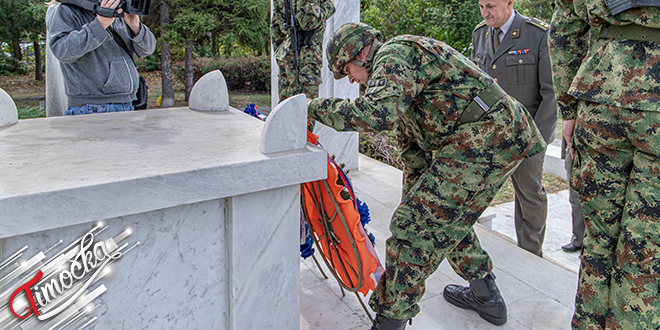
x,y
240,101
31,112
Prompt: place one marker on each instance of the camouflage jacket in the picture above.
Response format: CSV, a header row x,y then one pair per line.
x,y
420,87
618,72
309,14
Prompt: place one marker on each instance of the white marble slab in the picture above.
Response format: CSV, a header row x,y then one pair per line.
x,y
265,275
344,146
66,170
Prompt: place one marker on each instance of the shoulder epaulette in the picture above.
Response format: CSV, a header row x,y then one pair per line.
x,y
538,23
480,25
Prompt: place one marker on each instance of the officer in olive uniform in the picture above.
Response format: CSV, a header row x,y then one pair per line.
x,y
461,137
521,65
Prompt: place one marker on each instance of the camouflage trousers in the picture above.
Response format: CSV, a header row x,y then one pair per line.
x,y
435,221
617,174
309,79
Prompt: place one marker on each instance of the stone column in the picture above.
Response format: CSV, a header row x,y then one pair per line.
x,y
56,101
346,11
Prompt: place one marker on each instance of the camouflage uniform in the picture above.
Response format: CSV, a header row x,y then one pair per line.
x,y
612,89
309,14
421,88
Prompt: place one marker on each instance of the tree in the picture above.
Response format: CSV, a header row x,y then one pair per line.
x,y
451,21
191,23
541,9
15,16
166,58
36,29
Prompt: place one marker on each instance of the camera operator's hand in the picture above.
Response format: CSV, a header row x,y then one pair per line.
x,y
106,21
133,22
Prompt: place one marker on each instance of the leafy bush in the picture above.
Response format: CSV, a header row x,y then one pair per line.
x,y
245,74
149,63
8,66
450,21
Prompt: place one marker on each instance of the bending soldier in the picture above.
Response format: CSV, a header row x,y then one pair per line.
x,y
608,94
310,17
461,138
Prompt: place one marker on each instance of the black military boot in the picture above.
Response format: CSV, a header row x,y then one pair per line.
x,y
385,323
481,296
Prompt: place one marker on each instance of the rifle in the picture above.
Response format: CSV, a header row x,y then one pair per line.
x,y
290,23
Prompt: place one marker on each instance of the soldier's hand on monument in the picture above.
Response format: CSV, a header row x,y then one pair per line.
x,y
112,4
308,102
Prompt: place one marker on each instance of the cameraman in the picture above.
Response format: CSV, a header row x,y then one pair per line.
x,y
99,74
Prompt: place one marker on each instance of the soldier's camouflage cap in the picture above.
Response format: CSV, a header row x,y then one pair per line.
x,y
346,43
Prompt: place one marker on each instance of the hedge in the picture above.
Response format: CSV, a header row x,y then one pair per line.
x,y
245,74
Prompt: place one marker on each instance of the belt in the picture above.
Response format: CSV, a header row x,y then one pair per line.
x,y
630,32
482,103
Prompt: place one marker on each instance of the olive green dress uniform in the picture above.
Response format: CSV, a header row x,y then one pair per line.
x,y
456,158
521,65
606,71
309,14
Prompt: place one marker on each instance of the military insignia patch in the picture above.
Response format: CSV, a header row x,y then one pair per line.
x,y
376,85
519,51
515,33
539,23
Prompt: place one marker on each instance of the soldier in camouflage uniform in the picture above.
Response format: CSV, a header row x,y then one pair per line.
x,y
310,18
609,92
461,137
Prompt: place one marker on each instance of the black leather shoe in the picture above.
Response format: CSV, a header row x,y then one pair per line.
x,y
385,323
571,248
482,296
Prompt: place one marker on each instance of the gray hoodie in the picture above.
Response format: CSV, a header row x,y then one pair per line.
x,y
96,69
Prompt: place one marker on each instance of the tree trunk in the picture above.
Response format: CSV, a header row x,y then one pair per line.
x,y
38,70
214,43
189,69
17,53
166,60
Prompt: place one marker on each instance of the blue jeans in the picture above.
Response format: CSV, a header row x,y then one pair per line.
x,y
98,108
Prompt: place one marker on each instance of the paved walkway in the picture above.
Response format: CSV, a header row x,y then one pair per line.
x,y
539,292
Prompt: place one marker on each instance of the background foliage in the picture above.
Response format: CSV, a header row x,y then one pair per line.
x,y
215,34
451,21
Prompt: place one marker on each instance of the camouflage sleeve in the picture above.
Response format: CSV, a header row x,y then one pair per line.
x,y
568,42
311,14
390,91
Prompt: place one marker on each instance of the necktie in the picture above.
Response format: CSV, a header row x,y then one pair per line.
x,y
496,38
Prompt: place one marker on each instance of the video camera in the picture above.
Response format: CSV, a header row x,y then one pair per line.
x,y
133,7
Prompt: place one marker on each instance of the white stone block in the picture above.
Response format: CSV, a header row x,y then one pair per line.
x,y
344,146
286,126
8,111
210,93
345,11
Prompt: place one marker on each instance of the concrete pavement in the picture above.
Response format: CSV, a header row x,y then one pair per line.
x,y
539,292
